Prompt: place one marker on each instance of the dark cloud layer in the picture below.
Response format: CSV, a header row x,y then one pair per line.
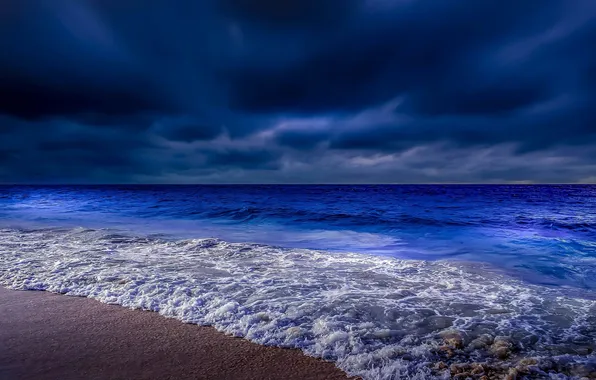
x,y
298,91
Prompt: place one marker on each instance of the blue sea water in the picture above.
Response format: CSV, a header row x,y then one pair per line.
x,y
544,234
355,274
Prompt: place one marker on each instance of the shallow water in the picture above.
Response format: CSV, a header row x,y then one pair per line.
x,y
387,281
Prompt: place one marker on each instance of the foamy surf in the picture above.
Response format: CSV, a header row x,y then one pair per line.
x,y
375,317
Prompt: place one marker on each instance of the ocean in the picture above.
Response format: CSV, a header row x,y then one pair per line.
x,y
387,281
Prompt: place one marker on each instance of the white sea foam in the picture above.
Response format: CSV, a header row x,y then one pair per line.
x,y
375,317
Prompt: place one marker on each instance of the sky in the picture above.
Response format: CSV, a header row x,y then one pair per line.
x,y
298,91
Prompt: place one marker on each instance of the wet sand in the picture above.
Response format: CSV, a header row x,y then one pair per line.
x,y
50,336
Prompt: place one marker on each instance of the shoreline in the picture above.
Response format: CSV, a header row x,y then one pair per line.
x,y
49,336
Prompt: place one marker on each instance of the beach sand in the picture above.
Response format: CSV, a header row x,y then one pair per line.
x,y
50,336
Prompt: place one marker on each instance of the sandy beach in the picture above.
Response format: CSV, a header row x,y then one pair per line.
x,y
50,336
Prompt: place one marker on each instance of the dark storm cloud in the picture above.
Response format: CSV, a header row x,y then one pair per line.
x,y
243,159
28,99
57,60
186,130
62,151
420,46
301,139
299,91
290,13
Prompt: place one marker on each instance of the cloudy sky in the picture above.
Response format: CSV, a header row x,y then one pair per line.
x,y
297,91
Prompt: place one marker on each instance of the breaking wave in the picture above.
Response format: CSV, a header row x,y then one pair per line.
x,y
375,317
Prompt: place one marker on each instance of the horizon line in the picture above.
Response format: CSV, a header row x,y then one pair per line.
x,y
309,184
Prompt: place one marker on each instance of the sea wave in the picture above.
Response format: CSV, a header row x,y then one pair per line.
x,y
375,317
